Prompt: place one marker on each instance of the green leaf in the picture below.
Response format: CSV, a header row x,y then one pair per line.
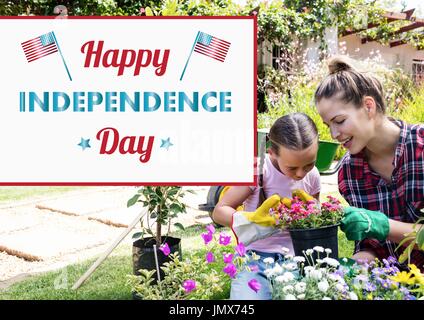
x,y
176,208
137,235
149,11
133,200
179,225
420,238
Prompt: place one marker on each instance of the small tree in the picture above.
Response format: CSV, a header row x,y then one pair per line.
x,y
164,204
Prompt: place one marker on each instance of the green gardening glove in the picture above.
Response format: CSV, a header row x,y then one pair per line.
x,y
359,224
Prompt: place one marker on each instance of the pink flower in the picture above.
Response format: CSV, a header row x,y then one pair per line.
x,y
210,257
189,285
210,228
254,285
254,268
224,239
165,249
231,270
228,257
207,237
240,249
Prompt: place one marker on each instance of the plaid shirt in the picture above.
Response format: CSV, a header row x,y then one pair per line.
x,y
400,200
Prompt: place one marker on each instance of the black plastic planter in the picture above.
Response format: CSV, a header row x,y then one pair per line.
x,y
144,256
325,237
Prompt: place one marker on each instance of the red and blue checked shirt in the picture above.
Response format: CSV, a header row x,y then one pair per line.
x,y
400,199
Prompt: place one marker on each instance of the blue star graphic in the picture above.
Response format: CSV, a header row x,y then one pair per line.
x,y
85,143
166,144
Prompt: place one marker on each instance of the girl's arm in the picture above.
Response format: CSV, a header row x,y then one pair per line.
x,y
224,209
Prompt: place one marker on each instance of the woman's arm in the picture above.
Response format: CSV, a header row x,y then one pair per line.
x,y
224,209
399,229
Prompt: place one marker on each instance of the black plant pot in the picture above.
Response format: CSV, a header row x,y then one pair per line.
x,y
144,256
325,237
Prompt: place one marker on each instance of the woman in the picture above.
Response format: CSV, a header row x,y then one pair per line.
x,y
382,177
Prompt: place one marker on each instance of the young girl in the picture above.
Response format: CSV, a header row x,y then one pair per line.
x,y
384,170
289,165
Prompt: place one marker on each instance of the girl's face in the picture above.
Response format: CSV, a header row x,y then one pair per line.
x,y
351,126
295,163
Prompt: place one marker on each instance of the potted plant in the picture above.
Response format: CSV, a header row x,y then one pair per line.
x,y
311,224
163,204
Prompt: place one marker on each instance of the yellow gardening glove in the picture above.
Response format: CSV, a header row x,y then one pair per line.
x,y
286,201
261,216
302,195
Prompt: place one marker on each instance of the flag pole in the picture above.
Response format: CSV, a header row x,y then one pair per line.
x,y
57,43
194,44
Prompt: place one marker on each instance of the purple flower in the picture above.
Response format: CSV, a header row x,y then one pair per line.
x,y
240,249
392,260
254,285
210,257
210,228
165,249
189,285
370,287
228,257
207,237
224,239
231,270
254,268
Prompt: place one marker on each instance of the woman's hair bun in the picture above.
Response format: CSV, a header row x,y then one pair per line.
x,y
337,64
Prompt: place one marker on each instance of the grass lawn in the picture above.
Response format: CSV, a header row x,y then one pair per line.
x,y
20,193
109,281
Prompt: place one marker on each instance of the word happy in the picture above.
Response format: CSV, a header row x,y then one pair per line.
x,y
125,58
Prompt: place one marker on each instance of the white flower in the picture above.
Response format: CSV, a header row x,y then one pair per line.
x,y
269,260
308,269
340,287
301,296
289,256
318,261
288,276
344,260
300,287
299,259
323,286
285,250
309,252
268,272
326,298
277,269
353,296
290,266
318,249
328,250
331,262
280,279
290,297
288,288
315,274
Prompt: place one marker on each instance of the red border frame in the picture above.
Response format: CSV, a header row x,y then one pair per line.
x,y
255,126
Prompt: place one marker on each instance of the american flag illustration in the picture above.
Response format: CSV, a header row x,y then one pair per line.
x,y
39,47
211,46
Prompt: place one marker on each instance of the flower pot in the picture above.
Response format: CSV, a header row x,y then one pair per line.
x,y
144,256
325,237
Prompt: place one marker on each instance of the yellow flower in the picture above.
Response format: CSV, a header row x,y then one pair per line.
x,y
419,277
369,296
403,277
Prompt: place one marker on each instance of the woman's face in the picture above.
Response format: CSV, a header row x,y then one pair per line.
x,y
295,163
351,126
